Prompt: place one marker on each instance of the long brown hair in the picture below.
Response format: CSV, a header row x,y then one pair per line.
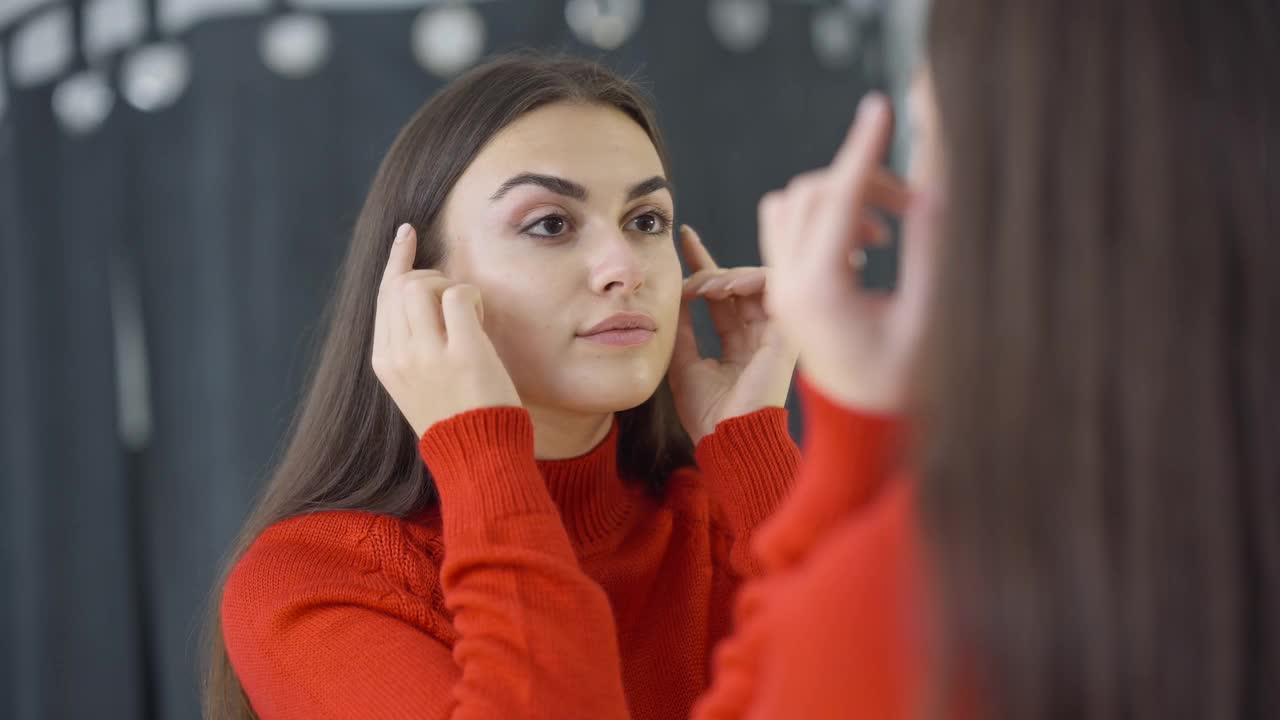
x,y
1100,458
349,447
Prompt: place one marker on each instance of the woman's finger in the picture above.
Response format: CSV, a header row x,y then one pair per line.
x,y
748,290
858,159
752,311
749,282
723,309
799,215
855,165
812,178
404,248
709,285
463,312
725,284
696,255
421,296
888,192
729,326
694,283
390,325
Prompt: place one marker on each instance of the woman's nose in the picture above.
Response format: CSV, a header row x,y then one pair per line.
x,y
616,266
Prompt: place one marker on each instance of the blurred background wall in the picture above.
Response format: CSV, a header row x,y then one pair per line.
x,y
177,184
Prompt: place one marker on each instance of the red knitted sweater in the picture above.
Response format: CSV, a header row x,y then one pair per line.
x,y
553,589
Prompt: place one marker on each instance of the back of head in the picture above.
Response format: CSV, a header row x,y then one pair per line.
x,y
1101,384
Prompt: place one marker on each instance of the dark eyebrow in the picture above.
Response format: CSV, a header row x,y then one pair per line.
x,y
653,184
571,189
559,186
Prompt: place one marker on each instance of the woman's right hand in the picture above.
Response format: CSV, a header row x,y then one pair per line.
x,y
856,347
430,350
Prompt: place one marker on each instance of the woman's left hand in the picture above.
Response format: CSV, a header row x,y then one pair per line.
x,y
756,362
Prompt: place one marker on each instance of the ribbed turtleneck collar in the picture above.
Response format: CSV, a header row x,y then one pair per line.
x,y
592,497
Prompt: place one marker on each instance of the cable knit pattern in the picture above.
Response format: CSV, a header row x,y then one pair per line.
x,y
535,589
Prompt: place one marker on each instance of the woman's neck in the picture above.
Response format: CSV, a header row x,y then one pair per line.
x,y
559,434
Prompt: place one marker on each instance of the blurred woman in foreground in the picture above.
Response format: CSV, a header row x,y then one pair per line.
x,y
1041,480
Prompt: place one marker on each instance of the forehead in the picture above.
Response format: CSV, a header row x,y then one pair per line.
x,y
586,143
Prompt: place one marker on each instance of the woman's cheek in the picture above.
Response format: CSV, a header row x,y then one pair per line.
x,y
669,282
504,321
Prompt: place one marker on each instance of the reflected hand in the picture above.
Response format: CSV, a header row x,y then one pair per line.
x,y
756,363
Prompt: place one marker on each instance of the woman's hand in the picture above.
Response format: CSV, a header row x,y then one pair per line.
x,y
430,350
855,346
756,364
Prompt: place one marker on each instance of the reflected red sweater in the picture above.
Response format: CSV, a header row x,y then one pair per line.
x,y
534,590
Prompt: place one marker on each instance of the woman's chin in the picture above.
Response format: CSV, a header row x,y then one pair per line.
x,y
606,394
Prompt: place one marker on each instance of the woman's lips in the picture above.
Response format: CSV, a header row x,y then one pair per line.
x,y
621,329
630,337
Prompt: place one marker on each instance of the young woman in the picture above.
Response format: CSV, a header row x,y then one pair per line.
x,y
1084,520
490,505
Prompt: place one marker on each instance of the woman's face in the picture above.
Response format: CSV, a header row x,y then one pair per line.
x,y
563,221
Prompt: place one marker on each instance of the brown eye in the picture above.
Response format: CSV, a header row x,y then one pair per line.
x,y
549,226
649,223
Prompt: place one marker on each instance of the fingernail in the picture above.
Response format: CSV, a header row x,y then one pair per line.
x,y
402,232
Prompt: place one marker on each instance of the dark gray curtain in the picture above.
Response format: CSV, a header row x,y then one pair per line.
x,y
224,218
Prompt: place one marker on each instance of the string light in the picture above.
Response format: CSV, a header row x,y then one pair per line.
x,y
448,39
836,36
155,75
82,101
605,24
295,45
739,25
111,26
41,48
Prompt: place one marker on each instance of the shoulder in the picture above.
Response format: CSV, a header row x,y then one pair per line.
x,y
336,544
336,558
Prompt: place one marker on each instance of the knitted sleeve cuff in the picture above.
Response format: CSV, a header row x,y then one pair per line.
x,y
483,466
749,463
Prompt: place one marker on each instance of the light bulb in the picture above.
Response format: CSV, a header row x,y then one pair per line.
x,y
606,24
41,48
82,102
740,25
295,45
154,76
835,37
448,39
